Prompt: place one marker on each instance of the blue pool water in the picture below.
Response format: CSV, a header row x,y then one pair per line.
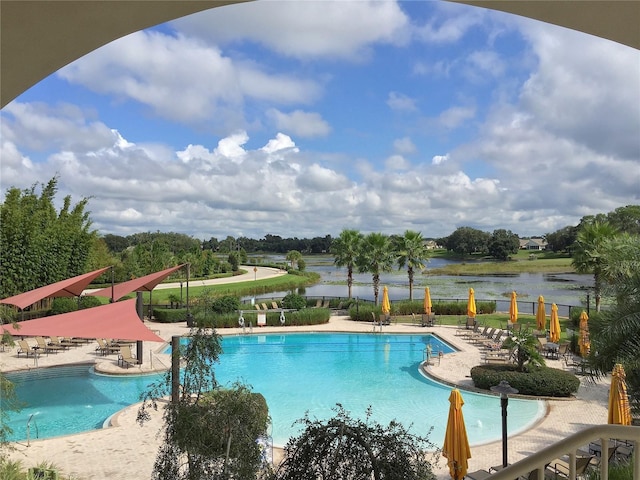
x,y
296,373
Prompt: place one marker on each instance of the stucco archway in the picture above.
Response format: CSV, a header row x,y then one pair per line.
x,y
41,36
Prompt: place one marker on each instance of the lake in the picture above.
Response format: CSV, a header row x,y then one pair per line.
x,y
561,288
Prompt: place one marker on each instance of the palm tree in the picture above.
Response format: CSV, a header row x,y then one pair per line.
x,y
345,250
411,252
587,252
615,333
376,256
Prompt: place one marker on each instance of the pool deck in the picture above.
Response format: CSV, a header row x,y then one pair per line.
x,y
127,451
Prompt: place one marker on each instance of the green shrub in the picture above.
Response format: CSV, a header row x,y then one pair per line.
x,y
226,304
543,381
362,312
460,308
63,305
294,301
87,301
170,315
12,470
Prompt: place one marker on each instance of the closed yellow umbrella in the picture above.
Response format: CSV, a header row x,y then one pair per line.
x,y
427,301
471,304
619,408
554,324
541,314
456,444
583,341
513,308
386,305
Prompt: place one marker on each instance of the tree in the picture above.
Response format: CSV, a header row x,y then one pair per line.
x,y
626,219
587,254
467,240
345,250
293,256
209,433
615,333
37,245
413,253
525,349
561,240
343,447
376,255
503,243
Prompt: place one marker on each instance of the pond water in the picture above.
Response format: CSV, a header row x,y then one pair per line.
x,y
564,289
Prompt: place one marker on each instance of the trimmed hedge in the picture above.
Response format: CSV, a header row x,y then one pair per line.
x,y
170,315
307,316
543,381
363,312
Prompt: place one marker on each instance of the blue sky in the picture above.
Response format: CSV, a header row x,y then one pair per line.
x,y
305,118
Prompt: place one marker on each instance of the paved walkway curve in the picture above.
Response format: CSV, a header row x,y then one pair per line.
x,y
125,450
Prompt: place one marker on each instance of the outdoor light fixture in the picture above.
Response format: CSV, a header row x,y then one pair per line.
x,y
504,389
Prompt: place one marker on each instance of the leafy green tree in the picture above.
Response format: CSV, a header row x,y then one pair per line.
x,y
209,433
587,253
467,240
345,250
503,243
626,219
561,240
413,253
376,255
10,403
37,245
343,447
615,333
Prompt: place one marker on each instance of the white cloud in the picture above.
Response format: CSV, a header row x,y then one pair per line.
x,y
401,102
397,162
303,29
153,68
439,159
300,123
404,146
455,116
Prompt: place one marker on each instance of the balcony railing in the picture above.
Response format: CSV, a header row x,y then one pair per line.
x,y
569,446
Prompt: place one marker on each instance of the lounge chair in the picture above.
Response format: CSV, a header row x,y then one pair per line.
x,y
24,347
53,340
126,357
340,306
471,322
326,304
318,304
48,347
257,305
478,475
274,305
105,348
264,306
384,319
560,467
486,333
494,342
428,320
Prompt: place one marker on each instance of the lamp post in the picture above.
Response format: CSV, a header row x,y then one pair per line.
x,y
504,389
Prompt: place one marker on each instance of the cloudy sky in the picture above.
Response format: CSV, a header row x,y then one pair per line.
x,y
305,118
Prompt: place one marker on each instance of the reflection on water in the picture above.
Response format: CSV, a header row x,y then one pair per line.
x,y
560,288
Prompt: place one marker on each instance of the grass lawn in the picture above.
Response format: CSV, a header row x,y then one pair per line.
x,y
547,262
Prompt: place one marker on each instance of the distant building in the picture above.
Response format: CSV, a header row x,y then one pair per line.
x,y
533,244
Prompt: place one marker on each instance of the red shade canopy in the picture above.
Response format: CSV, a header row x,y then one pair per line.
x,y
142,284
71,287
116,320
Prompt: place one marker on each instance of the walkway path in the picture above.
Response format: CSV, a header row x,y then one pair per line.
x,y
126,450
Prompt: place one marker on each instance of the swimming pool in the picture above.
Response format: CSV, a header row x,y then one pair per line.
x,y
298,372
